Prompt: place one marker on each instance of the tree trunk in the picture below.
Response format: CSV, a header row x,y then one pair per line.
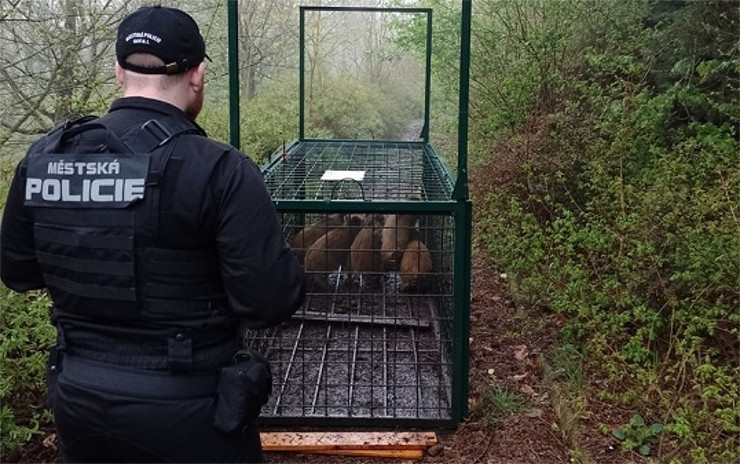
x,y
65,85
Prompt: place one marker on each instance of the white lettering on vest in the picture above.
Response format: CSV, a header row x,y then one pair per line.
x,y
32,186
66,195
51,190
96,191
97,184
134,189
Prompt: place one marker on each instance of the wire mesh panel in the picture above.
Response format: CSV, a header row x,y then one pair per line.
x,y
369,170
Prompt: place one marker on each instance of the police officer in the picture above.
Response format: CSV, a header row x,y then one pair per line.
x,y
155,244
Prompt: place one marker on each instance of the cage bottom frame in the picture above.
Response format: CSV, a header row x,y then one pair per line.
x,y
363,357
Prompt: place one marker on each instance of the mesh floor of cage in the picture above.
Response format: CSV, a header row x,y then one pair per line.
x,y
372,170
355,355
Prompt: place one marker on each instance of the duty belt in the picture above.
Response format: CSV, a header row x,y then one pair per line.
x,y
127,380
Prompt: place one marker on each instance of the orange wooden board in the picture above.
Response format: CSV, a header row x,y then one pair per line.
x,y
328,441
392,453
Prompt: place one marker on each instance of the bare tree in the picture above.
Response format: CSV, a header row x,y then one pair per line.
x,y
55,62
267,42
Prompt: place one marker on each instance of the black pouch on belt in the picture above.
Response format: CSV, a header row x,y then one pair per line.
x,y
243,388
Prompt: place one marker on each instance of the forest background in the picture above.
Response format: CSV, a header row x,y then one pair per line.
x,y
609,131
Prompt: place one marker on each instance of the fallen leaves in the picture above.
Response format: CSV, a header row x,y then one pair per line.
x,y
50,441
527,389
521,352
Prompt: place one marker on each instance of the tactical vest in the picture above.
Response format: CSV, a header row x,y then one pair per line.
x,y
89,202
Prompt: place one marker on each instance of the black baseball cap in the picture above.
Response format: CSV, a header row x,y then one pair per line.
x,y
167,33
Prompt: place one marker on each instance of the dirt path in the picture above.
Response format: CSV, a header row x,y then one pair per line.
x,y
412,132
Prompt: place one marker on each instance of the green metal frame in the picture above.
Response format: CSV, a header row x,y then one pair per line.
x,y
463,228
234,112
459,205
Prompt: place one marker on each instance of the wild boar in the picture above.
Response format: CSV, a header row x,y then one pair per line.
x,y
398,231
416,267
329,252
363,261
309,234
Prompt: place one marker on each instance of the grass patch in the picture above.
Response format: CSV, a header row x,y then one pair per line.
x,y
501,402
564,379
567,364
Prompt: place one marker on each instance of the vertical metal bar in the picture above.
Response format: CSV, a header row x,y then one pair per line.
x,y
352,370
389,345
291,361
461,313
427,80
417,369
301,75
385,370
337,296
463,217
444,377
371,381
461,185
352,353
234,116
320,374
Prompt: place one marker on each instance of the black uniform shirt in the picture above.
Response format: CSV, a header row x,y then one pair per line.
x,y
217,198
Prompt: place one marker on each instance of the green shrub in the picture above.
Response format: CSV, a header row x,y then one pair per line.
x,y
619,210
24,347
347,108
266,121
27,335
638,435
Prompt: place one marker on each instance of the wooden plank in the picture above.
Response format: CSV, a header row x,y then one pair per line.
x,y
414,455
328,441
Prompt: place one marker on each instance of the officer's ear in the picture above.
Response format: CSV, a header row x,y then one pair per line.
x,y
119,73
197,75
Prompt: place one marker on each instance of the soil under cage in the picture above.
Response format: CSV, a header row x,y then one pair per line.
x,y
365,346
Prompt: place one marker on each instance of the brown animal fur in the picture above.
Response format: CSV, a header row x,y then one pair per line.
x,y
398,230
330,251
364,256
416,265
309,234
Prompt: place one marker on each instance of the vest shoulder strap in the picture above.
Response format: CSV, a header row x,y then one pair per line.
x,y
151,135
53,138
155,133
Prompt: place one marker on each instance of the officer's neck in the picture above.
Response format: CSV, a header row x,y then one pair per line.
x,y
173,98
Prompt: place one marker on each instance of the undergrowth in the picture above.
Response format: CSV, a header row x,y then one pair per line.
x,y
27,336
616,205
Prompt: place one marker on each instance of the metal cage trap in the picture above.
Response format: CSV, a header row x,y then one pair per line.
x,y
383,231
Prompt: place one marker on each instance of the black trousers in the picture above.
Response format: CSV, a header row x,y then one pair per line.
x,y
100,424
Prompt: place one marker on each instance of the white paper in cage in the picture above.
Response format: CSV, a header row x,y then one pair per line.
x,y
342,175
